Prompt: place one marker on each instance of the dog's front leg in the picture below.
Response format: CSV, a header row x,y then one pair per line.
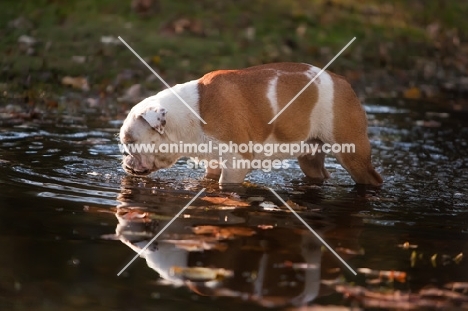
x,y
232,176
213,173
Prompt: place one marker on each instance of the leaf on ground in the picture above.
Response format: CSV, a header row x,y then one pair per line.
x,y
27,40
76,82
110,40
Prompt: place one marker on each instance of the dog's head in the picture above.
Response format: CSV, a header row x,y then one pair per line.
x,y
142,132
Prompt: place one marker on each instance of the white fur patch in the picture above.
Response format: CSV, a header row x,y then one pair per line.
x,y
187,91
312,72
272,94
322,115
180,121
156,118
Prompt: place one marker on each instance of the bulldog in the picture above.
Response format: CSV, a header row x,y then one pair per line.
x,y
236,106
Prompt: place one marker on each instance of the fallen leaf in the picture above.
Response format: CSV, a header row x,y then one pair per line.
x,y
76,82
198,245
27,40
412,93
265,227
391,275
200,274
430,123
349,251
413,258
79,59
223,232
110,40
145,7
458,258
297,265
269,206
156,59
224,201
457,286
407,245
435,292
433,260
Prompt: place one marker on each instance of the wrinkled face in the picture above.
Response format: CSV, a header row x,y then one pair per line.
x,y
140,135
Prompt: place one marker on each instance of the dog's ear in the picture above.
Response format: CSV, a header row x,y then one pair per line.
x,y
156,118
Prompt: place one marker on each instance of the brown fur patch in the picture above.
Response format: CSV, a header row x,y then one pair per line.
x,y
294,123
350,118
235,106
350,126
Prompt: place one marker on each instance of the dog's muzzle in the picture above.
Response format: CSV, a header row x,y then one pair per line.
x,y
131,165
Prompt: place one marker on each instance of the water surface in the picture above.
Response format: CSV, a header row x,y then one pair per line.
x,y
71,220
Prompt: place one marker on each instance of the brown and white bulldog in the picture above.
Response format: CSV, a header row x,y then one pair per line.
x,y
237,106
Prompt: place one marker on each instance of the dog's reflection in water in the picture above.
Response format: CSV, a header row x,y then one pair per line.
x,y
251,258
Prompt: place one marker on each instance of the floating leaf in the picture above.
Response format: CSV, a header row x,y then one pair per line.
x,y
224,201
391,275
407,245
458,258
350,251
198,245
412,93
223,232
200,274
265,227
413,258
457,286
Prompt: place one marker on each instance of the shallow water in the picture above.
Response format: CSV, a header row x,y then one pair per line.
x,y
71,220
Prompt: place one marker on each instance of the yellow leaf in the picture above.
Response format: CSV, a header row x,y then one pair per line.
x,y
156,59
225,201
412,93
433,260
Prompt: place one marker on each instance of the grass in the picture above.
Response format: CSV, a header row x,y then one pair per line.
x,y
284,30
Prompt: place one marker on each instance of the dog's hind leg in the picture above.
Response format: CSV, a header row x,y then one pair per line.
x,y
313,167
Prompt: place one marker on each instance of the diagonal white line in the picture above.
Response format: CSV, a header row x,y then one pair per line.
x,y
162,80
312,81
160,231
312,230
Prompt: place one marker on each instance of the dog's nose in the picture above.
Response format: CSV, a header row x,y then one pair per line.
x,y
129,160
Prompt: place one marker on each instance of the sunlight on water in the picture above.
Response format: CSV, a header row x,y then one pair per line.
x,y
70,214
